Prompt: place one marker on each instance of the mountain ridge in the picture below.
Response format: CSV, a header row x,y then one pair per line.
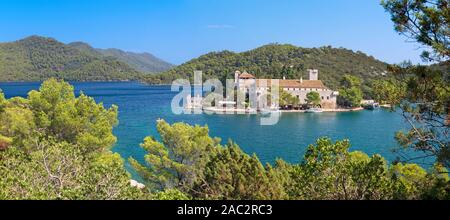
x,y
144,62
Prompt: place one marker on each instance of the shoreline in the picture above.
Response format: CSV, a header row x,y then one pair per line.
x,y
254,112
326,110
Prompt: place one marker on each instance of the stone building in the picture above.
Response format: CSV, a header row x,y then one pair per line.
x,y
296,87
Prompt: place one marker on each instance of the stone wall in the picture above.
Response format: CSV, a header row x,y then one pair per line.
x,y
328,99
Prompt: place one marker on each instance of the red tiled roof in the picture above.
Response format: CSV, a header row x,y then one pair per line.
x,y
308,84
246,76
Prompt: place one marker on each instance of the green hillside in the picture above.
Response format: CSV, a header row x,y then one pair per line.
x,y
84,47
144,62
276,61
37,58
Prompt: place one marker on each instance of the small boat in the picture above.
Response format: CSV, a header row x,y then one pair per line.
x,y
250,111
314,110
372,106
209,110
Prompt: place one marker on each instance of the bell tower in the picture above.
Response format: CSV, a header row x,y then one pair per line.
x,y
313,74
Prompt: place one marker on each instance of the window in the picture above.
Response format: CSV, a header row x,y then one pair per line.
x,y
328,97
322,98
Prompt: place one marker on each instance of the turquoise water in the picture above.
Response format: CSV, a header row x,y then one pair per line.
x,y
141,105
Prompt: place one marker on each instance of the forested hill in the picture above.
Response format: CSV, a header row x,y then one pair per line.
x,y
144,62
276,61
37,58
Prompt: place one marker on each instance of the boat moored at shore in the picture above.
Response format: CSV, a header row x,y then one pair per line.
x,y
314,110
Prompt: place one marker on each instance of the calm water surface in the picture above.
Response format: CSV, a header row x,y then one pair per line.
x,y
141,105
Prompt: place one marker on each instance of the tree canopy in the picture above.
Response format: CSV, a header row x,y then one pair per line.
x,y
54,145
426,22
328,171
278,61
350,94
422,93
37,58
313,98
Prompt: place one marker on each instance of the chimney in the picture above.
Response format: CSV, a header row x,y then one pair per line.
x,y
301,80
313,74
284,77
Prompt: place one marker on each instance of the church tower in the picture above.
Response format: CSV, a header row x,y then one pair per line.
x,y
313,74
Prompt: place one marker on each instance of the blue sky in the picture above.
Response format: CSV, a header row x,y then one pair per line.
x,y
179,30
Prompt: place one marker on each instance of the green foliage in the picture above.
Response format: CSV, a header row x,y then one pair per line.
x,y
143,62
59,171
349,81
441,187
232,174
2,101
38,58
328,171
410,179
276,61
194,164
286,99
313,98
351,97
77,120
422,93
17,123
350,94
179,160
56,146
108,179
388,91
170,194
426,22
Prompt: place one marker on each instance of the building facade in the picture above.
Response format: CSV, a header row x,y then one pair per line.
x,y
298,88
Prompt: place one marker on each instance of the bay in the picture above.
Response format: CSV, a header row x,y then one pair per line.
x,y
141,105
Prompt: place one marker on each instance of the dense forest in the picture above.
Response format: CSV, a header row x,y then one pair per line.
x,y
277,60
37,58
